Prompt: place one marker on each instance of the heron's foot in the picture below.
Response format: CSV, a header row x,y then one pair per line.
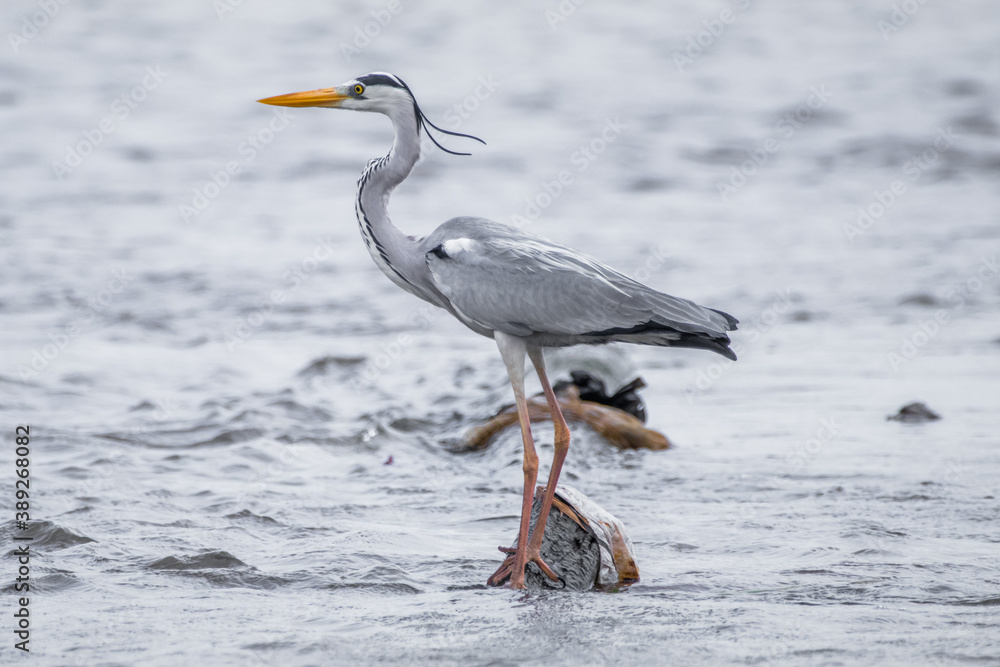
x,y
505,572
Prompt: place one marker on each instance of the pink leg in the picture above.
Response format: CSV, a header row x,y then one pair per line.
x,y
512,350
561,447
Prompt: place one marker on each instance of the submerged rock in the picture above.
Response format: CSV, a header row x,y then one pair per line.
x,y
914,413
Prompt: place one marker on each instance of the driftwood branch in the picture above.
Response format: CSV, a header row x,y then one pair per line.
x,y
616,426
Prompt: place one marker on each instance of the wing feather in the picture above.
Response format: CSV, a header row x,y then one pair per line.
x,y
508,280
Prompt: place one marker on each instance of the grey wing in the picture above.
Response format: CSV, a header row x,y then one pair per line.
x,y
502,279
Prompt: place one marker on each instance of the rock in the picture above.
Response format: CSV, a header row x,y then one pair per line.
x,y
584,544
915,413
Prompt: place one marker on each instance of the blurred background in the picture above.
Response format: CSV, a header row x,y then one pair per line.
x,y
215,373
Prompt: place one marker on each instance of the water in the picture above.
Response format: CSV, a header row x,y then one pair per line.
x,y
212,400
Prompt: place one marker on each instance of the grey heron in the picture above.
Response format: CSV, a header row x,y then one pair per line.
x,y
517,288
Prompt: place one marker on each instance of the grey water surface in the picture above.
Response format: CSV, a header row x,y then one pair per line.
x,y
216,375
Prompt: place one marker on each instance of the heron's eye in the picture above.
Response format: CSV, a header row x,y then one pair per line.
x,y
358,89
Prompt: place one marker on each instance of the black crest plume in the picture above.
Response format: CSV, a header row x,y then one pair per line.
x,y
422,120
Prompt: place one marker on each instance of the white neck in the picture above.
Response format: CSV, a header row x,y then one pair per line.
x,y
393,251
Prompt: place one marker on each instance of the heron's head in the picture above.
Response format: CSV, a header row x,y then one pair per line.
x,y
379,91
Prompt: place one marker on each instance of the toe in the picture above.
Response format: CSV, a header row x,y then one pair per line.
x,y
545,568
503,573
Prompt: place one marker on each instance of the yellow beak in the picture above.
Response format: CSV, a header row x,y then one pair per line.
x,y
324,97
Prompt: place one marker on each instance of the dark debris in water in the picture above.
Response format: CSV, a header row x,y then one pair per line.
x,y
921,299
324,365
594,390
806,316
915,413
